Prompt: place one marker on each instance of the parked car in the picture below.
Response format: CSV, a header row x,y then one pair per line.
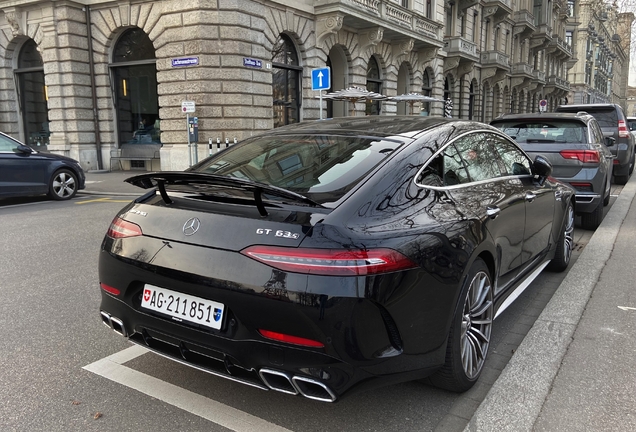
x,y
327,256
27,172
631,125
614,124
579,153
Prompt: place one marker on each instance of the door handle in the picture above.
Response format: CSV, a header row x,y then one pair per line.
x,y
492,211
530,196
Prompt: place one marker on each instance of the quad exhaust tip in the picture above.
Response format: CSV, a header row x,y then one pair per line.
x,y
305,386
114,323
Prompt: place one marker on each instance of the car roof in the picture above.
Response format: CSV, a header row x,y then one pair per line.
x,y
583,106
382,126
585,118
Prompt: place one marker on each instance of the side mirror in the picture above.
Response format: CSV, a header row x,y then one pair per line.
x,y
541,168
610,141
21,148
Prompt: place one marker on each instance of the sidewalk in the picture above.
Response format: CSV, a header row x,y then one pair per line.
x,y
576,368
111,183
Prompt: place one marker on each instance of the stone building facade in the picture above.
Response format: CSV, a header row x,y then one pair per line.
x,y
602,37
84,78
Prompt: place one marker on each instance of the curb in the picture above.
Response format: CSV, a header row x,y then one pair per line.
x,y
515,400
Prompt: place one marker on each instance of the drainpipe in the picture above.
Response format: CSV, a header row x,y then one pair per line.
x,y
91,67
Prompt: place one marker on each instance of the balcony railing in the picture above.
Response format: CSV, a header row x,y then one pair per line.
x,y
385,10
539,75
524,17
495,58
522,69
459,45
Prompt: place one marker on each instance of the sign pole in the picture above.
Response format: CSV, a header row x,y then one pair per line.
x,y
320,91
188,132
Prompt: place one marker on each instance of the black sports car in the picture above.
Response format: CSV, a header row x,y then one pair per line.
x,y
337,254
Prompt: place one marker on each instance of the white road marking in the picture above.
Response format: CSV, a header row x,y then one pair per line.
x,y
626,308
112,368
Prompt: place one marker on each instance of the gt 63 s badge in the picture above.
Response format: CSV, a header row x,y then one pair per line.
x,y
277,233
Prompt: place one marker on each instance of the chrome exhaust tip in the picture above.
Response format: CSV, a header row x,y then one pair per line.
x,y
277,381
313,389
113,323
118,326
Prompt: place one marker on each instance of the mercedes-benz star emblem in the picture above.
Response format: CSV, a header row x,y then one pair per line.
x,y
191,226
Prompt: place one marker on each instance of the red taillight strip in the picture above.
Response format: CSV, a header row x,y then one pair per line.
x,y
585,156
330,262
294,340
120,228
109,289
623,132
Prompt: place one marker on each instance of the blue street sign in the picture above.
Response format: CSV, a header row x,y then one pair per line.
x,y
321,78
185,61
250,62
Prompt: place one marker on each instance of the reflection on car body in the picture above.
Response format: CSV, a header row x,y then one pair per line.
x,y
384,271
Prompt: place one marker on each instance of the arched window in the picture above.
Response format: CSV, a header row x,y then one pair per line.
x,y
32,96
374,84
427,90
285,82
134,73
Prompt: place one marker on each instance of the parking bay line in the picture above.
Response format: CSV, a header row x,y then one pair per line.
x,y
112,368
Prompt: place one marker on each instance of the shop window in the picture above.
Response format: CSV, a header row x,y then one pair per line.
x,y
286,73
134,74
33,96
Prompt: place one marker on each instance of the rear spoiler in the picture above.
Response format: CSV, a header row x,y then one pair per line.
x,y
160,180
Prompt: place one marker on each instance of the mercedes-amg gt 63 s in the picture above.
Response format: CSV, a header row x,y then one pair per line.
x,y
336,255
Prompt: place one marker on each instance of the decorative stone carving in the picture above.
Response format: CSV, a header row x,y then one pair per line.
x,y
403,47
451,63
427,54
465,67
14,17
327,25
370,38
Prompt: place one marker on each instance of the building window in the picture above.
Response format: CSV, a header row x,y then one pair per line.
x,y
427,90
374,84
450,31
405,3
134,72
471,101
429,8
32,96
568,37
286,73
570,8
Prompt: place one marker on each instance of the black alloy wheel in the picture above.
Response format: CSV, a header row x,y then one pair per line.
x,y
63,185
470,331
565,243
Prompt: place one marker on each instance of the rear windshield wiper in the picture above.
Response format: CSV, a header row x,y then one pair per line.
x,y
540,140
175,178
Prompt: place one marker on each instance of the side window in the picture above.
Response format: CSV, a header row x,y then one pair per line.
x,y
7,145
514,160
597,133
478,157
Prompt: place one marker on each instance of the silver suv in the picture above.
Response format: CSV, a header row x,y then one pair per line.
x,y
579,153
613,122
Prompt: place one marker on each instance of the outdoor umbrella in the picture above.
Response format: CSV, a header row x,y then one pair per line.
x,y
354,94
411,98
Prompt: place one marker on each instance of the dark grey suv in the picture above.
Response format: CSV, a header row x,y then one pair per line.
x,y
613,122
579,153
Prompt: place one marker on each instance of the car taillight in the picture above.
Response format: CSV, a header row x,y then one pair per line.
x,y
623,132
295,340
109,289
120,228
585,156
330,262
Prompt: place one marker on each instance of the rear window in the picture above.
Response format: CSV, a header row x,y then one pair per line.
x,y
606,117
631,124
320,167
544,132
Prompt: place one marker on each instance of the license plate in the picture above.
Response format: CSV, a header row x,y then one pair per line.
x,y
183,307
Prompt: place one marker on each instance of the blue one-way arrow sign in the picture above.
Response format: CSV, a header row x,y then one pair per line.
x,y
321,78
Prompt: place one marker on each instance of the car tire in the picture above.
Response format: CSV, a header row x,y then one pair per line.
x,y
63,185
470,331
565,243
591,221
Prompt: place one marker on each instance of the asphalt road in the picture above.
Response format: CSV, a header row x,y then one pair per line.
x,y
63,370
